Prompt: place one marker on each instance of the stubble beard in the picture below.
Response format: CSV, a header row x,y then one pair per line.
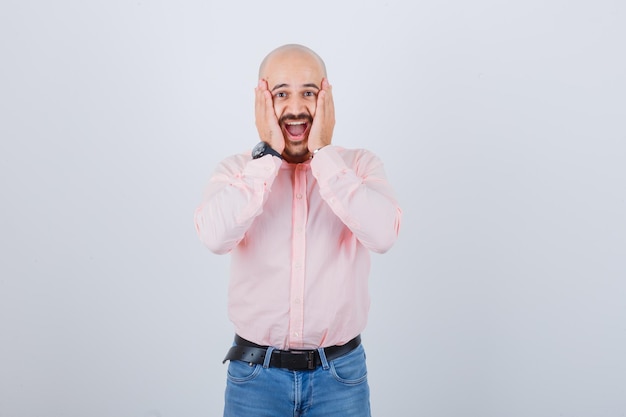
x,y
296,152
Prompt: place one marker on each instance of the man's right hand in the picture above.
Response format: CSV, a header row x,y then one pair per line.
x,y
266,120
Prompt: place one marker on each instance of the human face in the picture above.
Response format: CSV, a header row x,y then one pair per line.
x,y
294,79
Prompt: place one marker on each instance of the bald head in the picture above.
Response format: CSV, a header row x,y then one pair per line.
x,y
293,75
291,52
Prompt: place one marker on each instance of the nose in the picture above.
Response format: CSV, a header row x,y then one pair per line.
x,y
296,105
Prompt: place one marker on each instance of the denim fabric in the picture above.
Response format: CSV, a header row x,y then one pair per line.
x,y
337,388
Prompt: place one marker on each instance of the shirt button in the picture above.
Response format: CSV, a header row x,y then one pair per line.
x,y
296,334
296,301
298,196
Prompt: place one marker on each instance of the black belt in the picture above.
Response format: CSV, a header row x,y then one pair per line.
x,y
293,360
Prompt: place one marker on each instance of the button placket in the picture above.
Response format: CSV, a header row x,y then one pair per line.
x,y
299,219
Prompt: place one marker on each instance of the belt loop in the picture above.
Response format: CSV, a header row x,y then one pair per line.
x,y
323,359
268,357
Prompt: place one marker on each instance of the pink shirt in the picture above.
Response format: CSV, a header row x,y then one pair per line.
x,y
299,236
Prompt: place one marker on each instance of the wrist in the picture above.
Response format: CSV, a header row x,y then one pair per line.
x,y
316,150
264,148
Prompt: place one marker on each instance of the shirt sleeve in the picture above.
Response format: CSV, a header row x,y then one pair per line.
x,y
234,196
355,187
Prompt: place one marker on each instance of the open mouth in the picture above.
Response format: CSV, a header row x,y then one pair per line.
x,y
296,130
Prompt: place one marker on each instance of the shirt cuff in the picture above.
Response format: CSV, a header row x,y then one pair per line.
x,y
264,167
327,164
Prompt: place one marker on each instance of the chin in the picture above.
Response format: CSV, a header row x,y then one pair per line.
x,y
297,152
297,147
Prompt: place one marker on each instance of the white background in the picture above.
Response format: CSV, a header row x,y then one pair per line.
x,y
501,125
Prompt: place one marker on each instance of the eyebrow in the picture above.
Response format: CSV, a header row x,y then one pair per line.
x,y
308,85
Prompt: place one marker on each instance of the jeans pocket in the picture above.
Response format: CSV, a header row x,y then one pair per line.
x,y
350,369
239,371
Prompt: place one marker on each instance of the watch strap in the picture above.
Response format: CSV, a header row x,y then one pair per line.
x,y
271,151
262,149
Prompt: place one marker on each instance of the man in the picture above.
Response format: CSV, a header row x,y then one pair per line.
x,y
299,216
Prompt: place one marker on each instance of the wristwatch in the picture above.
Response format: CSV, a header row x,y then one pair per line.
x,y
262,149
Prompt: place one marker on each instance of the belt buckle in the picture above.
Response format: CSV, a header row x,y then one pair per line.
x,y
296,360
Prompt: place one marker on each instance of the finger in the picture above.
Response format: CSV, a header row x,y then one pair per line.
x,y
263,122
259,105
321,102
269,105
260,95
264,103
329,102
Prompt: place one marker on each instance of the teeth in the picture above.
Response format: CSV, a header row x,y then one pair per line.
x,y
295,123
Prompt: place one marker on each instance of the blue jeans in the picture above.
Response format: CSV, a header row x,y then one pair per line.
x,y
336,388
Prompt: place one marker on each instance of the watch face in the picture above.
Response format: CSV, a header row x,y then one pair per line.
x,y
258,150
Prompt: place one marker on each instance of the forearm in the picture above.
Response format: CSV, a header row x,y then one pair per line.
x,y
360,195
233,198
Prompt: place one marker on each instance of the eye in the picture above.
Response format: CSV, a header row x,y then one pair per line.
x,y
281,94
309,94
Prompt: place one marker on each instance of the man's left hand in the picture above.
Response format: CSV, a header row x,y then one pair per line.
x,y
324,120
